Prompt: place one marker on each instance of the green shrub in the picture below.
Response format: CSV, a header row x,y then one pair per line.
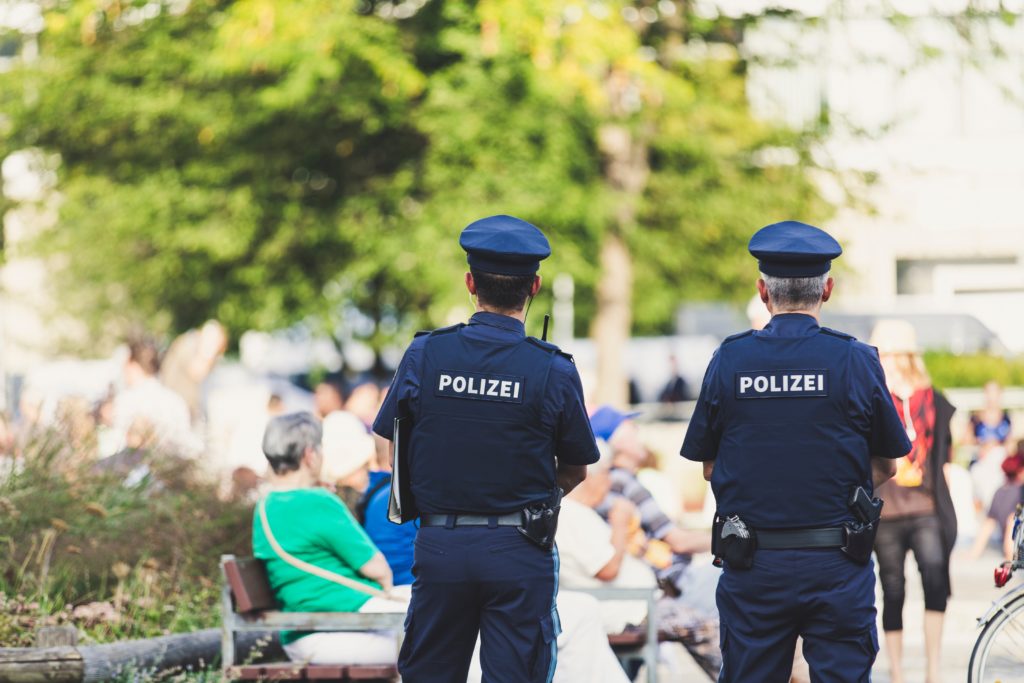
x,y
116,560
974,370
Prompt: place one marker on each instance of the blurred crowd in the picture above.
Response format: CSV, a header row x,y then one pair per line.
x,y
154,401
627,525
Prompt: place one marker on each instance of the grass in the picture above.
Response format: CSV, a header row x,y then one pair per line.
x,y
116,560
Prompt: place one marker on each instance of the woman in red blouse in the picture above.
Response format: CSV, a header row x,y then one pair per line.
x,y
918,514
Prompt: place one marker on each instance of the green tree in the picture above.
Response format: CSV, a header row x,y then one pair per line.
x,y
685,177
266,162
209,155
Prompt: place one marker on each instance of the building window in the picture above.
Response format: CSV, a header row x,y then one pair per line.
x,y
917,276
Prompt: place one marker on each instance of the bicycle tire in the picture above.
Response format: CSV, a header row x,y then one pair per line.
x,y
979,654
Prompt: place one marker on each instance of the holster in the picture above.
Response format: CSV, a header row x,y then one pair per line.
x,y
860,541
540,522
733,542
860,535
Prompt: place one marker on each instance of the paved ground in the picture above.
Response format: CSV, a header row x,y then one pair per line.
x,y
973,592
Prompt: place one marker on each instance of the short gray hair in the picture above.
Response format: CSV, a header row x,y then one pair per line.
x,y
287,437
795,293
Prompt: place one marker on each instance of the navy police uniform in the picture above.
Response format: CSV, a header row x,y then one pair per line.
x,y
493,411
791,416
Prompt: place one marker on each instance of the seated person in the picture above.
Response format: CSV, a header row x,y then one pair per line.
x,y
620,432
595,553
583,650
348,452
312,525
1004,503
394,540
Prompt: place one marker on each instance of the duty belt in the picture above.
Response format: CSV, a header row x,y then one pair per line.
x,y
794,539
512,519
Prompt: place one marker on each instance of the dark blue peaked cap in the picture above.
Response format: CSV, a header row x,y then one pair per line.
x,y
793,249
504,245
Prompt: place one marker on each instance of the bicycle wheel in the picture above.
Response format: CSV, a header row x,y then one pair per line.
x,y
998,655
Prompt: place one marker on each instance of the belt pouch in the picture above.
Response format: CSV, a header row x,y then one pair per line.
x,y
734,542
539,525
860,540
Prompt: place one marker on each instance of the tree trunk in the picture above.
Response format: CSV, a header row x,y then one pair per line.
x,y
626,171
34,665
95,663
613,320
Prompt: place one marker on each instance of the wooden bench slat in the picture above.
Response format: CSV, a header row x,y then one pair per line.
x,y
627,639
268,672
250,587
325,621
321,672
373,673
313,672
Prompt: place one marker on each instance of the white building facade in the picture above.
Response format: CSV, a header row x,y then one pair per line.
x,y
930,108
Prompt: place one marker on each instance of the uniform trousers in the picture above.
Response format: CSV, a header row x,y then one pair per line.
x,y
818,594
479,580
584,655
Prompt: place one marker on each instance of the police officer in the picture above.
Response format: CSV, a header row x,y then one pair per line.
x,y
499,433
790,421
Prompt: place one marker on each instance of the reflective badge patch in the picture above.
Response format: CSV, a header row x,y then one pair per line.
x,y
782,383
483,387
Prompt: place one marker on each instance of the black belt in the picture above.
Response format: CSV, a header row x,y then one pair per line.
x,y
512,519
795,539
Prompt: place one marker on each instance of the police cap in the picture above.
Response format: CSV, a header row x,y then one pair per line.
x,y
504,245
793,249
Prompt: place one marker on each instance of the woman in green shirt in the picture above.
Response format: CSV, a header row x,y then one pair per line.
x,y
313,526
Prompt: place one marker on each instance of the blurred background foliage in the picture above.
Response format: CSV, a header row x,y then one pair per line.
x,y
268,161
117,558
950,370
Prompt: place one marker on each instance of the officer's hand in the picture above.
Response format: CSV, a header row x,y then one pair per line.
x,y
622,513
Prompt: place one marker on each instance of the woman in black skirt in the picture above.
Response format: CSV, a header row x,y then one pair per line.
x,y
918,513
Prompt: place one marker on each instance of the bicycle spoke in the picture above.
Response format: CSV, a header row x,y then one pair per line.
x,y
1002,647
1017,631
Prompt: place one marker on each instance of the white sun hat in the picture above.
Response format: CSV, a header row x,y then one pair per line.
x,y
894,336
347,445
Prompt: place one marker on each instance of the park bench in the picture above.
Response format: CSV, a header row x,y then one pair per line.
x,y
634,643
248,604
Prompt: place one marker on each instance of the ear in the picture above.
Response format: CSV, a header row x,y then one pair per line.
x,y
829,283
470,284
311,459
762,290
536,285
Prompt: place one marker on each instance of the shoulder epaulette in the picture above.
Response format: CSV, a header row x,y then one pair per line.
x,y
440,330
548,346
837,333
734,337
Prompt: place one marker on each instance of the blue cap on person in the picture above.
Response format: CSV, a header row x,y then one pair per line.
x,y
504,245
606,420
794,249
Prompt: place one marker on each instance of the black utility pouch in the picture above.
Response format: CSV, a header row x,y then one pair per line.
x,y
860,540
733,542
539,525
540,522
860,536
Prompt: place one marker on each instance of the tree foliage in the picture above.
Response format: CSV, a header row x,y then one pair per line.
x,y
265,162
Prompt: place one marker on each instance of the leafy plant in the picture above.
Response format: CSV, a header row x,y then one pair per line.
x,y
118,561
973,370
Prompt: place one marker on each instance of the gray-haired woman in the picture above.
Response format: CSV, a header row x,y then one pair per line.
x,y
312,538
